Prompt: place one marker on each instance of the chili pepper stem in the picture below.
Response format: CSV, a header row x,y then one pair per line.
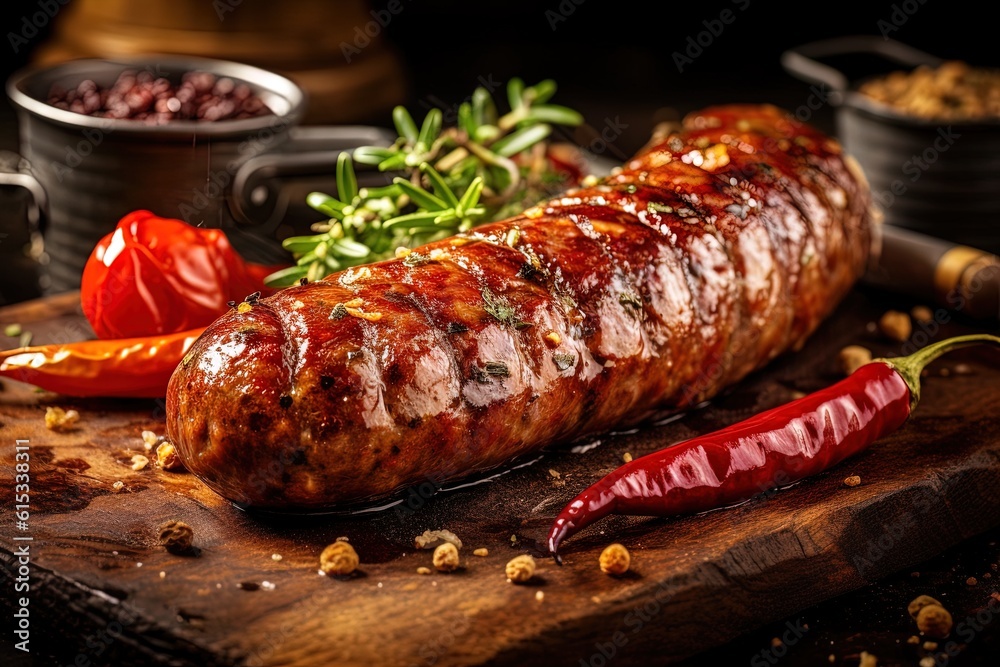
x,y
910,367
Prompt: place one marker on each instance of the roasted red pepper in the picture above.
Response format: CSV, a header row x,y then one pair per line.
x,y
775,448
160,276
127,367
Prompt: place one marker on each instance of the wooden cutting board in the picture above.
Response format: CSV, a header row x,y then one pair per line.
x,y
102,588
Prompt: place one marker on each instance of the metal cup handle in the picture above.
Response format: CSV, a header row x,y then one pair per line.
x,y
37,214
803,62
258,198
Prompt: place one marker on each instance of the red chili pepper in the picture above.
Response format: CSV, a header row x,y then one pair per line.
x,y
775,448
127,367
159,276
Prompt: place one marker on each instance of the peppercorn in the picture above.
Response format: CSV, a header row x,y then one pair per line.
x,y
177,537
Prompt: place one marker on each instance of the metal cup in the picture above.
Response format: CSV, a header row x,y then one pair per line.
x,y
222,174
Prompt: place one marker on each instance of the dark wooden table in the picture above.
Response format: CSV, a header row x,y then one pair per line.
x,y
104,592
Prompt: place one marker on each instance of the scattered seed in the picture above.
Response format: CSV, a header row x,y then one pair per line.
x,y
482,552
853,480
520,569
615,559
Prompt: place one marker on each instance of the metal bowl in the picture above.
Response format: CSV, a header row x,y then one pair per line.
x,y
95,170
940,178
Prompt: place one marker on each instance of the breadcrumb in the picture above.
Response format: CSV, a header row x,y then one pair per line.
x,y
520,569
339,558
57,419
615,559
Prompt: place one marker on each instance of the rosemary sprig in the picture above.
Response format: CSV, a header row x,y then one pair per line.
x,y
450,179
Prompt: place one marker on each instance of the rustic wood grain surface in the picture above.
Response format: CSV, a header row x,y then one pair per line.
x,y
104,592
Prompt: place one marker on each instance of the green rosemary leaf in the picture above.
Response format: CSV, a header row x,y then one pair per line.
x,y
378,193
372,154
515,93
486,133
471,196
286,277
421,219
430,129
455,327
326,204
300,245
631,301
540,93
350,248
441,188
554,113
521,140
397,161
420,197
405,126
339,312
347,181
466,121
484,110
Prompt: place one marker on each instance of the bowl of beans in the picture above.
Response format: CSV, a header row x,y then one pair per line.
x,y
926,133
184,137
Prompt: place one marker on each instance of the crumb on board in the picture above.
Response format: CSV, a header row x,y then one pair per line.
x,y
971,581
139,462
339,558
539,595
423,570
867,660
776,642
927,661
520,569
919,603
853,357
118,486
615,559
627,457
934,621
913,640
276,557
57,419
896,326
167,458
554,473
922,314
853,480
176,536
930,646
149,440
445,558
482,552
430,539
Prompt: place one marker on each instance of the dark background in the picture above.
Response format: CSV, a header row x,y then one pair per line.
x,y
614,58
614,62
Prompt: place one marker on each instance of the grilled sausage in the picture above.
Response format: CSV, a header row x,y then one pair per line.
x,y
720,246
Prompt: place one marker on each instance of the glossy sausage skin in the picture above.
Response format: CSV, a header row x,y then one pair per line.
x,y
714,250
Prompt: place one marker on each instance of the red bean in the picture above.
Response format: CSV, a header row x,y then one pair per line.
x,y
144,97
